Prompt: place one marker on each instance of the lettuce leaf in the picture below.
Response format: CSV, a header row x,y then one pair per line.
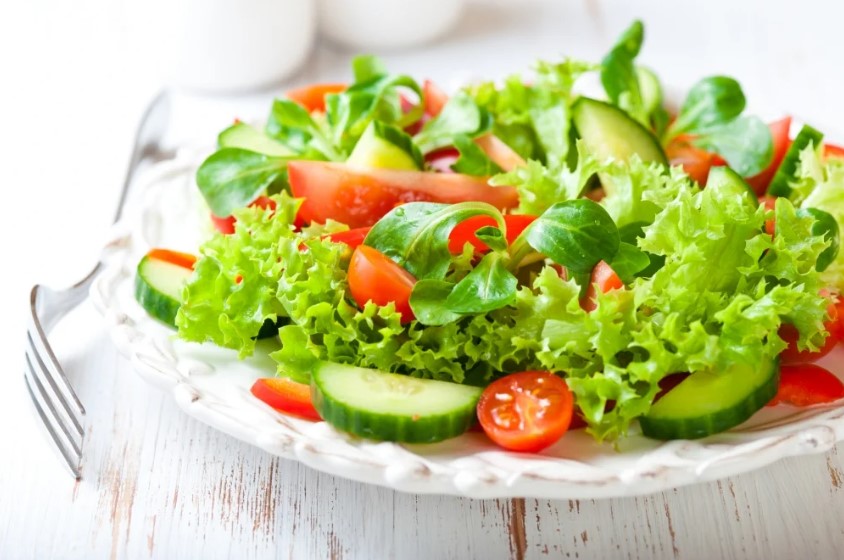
x,y
821,185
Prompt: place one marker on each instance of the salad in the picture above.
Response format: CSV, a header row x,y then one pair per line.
x,y
518,256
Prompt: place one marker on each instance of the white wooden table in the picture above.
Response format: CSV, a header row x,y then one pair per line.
x,y
158,484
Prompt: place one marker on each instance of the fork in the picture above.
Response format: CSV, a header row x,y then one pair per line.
x,y
56,402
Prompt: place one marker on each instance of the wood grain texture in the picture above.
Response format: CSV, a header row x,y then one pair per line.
x,y
158,484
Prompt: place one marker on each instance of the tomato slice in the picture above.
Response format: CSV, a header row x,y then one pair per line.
x,y
226,225
604,279
791,355
312,97
352,237
464,232
435,98
500,153
807,384
185,260
360,198
374,277
286,395
779,133
526,411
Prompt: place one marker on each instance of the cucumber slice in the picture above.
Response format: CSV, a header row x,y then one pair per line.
x,y
246,137
158,288
610,132
391,407
726,179
386,147
649,89
706,403
785,173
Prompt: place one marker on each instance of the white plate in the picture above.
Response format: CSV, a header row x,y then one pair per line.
x,y
211,384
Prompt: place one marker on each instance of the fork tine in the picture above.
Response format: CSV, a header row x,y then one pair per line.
x,y
55,376
73,433
71,453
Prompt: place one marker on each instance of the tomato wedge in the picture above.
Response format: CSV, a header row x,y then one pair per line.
x,y
807,384
770,203
435,98
833,151
312,97
226,225
352,237
359,198
374,277
185,260
526,411
464,232
791,355
779,134
286,395
604,279
695,162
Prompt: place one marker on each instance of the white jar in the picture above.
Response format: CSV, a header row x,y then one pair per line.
x,y
374,24
233,45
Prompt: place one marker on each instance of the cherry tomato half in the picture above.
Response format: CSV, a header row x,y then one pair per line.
x,y
807,384
526,411
374,277
791,355
286,395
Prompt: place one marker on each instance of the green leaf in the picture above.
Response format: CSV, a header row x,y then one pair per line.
x,y
629,261
576,234
711,102
460,116
492,237
826,228
232,178
473,160
428,302
350,112
367,67
745,143
293,126
618,73
415,235
488,287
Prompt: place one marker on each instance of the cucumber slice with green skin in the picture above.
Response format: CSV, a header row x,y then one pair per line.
x,y
391,407
727,179
707,403
609,132
649,89
247,137
386,147
785,173
158,288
